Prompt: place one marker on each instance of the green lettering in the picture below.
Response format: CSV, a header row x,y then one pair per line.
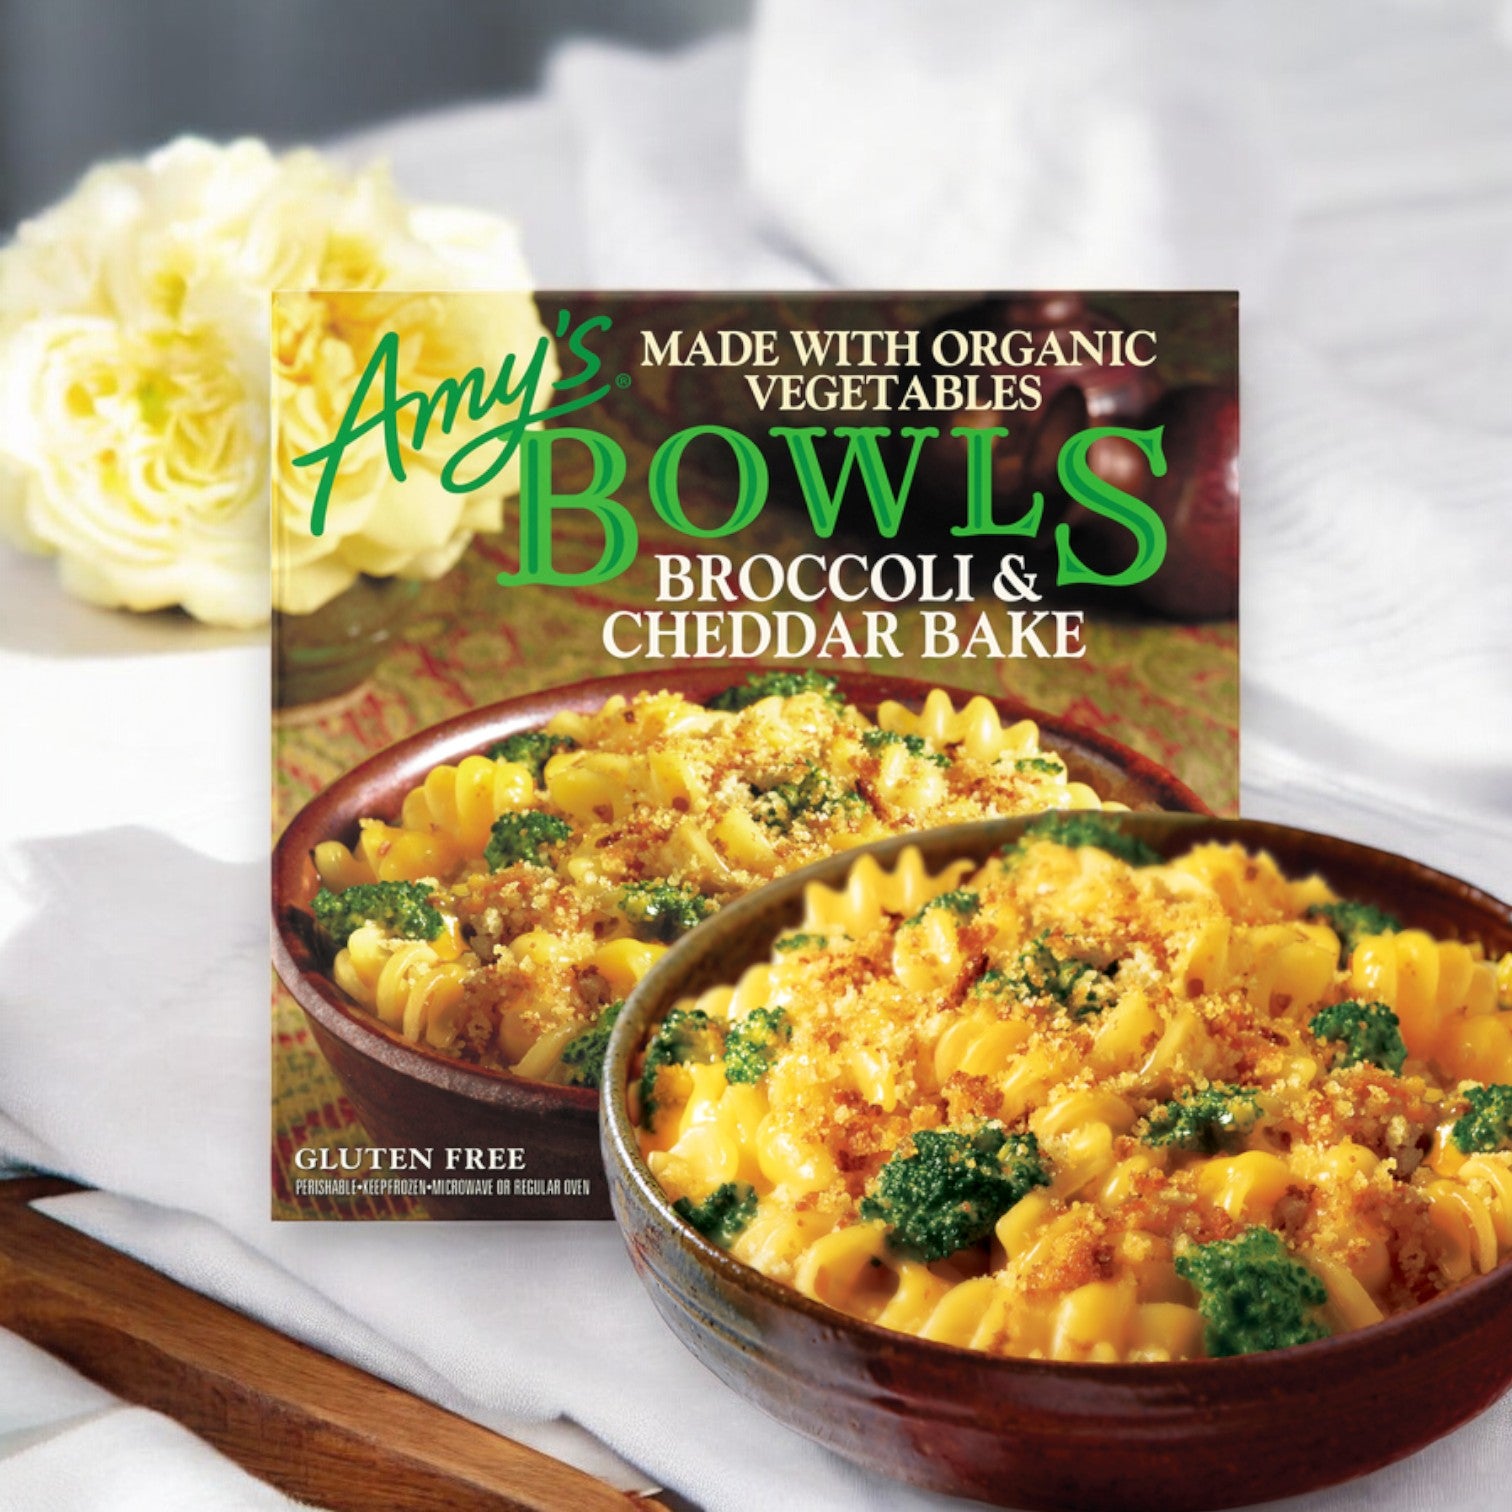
x,y
448,399
505,437
863,453
750,494
539,501
1097,494
979,521
487,453
384,361
590,360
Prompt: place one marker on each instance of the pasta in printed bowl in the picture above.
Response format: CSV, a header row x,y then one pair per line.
x,y
1044,1159
463,917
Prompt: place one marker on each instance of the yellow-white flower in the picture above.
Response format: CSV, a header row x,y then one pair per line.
x,y
142,459
134,375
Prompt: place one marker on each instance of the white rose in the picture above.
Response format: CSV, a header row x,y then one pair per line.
x,y
143,463
134,361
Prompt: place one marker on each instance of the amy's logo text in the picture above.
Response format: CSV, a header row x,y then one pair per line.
x,y
483,456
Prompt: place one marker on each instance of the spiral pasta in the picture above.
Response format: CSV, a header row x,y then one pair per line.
x,y
1445,996
1051,1105
562,861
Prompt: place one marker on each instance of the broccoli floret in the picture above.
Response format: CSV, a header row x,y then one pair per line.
x,y
1253,1295
751,1042
522,836
963,903
801,942
955,1185
402,908
1046,764
1352,922
1488,1124
761,685
663,910
1369,1032
723,1215
1084,827
874,740
687,1036
532,748
1205,1120
814,795
1040,974
585,1054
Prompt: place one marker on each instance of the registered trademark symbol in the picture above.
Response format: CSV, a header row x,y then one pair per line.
x,y
623,381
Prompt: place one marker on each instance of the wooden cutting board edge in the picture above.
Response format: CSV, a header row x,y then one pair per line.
x,y
319,1429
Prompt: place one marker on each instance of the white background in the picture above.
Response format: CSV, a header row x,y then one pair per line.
x,y
1348,168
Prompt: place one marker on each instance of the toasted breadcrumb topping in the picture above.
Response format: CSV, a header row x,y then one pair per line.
x,y
1079,996
671,810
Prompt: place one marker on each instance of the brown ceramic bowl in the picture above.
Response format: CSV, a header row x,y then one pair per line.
x,y
408,1096
1032,1433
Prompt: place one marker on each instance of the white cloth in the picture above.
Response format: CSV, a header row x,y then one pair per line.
x,y
68,1446
1348,168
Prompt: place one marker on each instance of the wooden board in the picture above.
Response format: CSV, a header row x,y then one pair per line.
x,y
318,1429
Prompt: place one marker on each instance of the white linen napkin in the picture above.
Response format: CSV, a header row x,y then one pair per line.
x,y
68,1446
1349,169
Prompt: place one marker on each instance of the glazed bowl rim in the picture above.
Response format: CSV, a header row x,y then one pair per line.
x,y
461,734
622,1154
